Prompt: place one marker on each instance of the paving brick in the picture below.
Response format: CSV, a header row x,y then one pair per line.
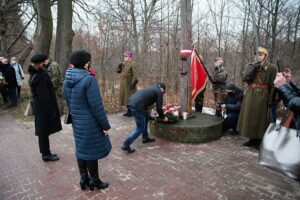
x,y
222,169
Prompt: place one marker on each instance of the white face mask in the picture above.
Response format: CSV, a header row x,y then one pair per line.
x,y
13,62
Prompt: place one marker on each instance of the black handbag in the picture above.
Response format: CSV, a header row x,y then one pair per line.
x,y
280,149
68,118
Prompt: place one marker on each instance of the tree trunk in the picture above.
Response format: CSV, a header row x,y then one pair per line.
x,y
3,28
64,33
274,29
44,29
186,42
24,54
295,36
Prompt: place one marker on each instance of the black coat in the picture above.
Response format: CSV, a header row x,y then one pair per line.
x,y
144,98
45,107
290,94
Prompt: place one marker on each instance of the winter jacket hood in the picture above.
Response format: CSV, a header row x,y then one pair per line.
x,y
74,75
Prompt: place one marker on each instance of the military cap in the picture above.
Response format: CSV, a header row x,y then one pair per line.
x,y
218,58
38,58
128,54
263,50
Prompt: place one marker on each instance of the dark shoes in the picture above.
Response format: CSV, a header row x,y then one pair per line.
x,y
51,157
148,140
254,143
128,114
128,149
249,143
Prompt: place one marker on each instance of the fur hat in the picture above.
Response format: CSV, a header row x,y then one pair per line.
x,y
80,58
38,58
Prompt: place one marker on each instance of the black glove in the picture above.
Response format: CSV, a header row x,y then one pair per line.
x,y
120,68
256,65
133,83
252,71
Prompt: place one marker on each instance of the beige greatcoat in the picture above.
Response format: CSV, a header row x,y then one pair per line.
x,y
255,115
128,74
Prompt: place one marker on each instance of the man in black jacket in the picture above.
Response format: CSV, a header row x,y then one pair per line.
x,y
10,77
138,104
232,104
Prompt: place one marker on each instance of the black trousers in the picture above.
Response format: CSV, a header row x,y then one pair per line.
x,y
90,166
44,145
18,91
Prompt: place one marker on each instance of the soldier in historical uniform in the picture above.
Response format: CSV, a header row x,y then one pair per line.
x,y
256,108
218,79
56,77
128,70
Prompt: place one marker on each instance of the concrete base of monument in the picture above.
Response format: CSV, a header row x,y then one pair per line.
x,y
198,129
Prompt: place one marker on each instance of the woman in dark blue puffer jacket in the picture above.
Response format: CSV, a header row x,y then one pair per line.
x,y
89,121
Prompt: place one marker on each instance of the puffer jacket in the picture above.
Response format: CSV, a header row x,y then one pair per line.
x,y
88,116
290,95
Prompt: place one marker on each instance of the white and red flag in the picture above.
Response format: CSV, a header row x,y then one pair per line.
x,y
198,74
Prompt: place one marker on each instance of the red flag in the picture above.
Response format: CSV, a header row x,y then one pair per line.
x,y
198,75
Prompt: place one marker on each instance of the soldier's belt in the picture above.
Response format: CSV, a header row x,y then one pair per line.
x,y
258,85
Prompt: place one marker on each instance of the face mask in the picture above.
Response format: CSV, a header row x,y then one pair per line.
x,y
230,93
13,62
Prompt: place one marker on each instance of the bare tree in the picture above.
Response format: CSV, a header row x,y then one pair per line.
x,y
186,42
64,33
44,29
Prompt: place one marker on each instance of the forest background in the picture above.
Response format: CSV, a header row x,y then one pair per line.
x,y
152,30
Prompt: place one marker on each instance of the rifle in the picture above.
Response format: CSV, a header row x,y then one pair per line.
x,y
280,65
255,36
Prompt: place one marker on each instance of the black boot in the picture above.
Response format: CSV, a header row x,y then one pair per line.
x,y
84,181
128,113
250,143
96,182
94,176
84,176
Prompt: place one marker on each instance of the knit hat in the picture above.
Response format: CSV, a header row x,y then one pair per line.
x,y
38,58
128,54
162,85
231,86
80,58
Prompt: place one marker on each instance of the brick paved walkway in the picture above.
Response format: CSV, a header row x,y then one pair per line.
x,y
222,169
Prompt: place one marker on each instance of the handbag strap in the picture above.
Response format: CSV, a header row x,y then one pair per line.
x,y
287,120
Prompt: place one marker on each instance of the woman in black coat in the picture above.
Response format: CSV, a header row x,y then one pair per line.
x,y
45,107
